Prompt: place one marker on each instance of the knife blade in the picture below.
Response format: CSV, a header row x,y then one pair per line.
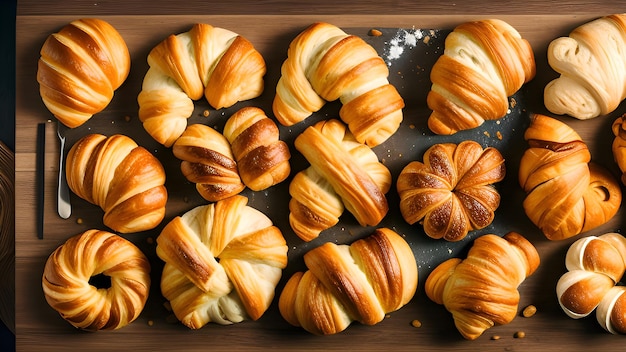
x,y
64,207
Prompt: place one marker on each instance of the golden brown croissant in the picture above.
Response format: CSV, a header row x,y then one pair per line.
x,y
481,290
342,171
360,282
80,68
222,263
262,158
592,69
566,194
216,62
619,145
208,161
68,270
122,178
452,191
595,265
325,64
484,62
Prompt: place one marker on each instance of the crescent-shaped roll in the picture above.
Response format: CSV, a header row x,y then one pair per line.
x,y
214,62
591,62
360,282
80,68
452,192
356,178
325,64
207,160
222,263
565,193
122,178
262,158
483,63
481,291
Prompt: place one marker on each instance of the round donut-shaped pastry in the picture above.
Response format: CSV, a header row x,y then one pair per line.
x,y
85,258
452,191
222,263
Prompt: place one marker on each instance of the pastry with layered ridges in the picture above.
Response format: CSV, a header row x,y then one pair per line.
x,y
619,145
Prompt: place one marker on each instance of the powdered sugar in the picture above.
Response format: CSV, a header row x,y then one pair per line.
x,y
404,39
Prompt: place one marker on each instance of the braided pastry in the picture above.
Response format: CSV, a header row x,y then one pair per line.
x,y
325,64
619,145
68,270
207,161
361,282
566,194
343,172
222,263
484,62
80,68
592,67
262,158
595,265
452,191
122,178
207,60
481,290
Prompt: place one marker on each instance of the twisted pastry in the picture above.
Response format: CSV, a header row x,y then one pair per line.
x,y
484,62
343,172
452,191
619,145
325,64
216,62
222,263
80,68
595,265
122,178
566,194
592,67
207,161
361,282
262,158
67,288
481,290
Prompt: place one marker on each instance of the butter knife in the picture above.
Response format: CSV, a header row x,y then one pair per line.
x,y
64,207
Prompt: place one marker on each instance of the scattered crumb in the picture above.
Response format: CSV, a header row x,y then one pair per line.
x,y
150,322
127,118
79,221
205,113
495,337
529,311
412,126
150,240
486,133
387,316
519,335
416,323
499,135
513,102
426,39
374,33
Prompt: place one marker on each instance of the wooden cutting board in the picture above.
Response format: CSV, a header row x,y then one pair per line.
x,y
41,328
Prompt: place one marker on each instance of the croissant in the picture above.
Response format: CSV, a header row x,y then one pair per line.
x,y
207,160
122,178
360,282
619,145
452,191
484,62
325,64
343,173
222,263
565,193
262,158
216,62
595,265
480,291
592,69
80,68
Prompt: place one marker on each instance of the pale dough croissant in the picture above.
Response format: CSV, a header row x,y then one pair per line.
x,y
343,172
591,62
484,62
619,145
68,270
80,68
595,265
122,178
566,194
452,192
209,61
222,263
481,290
360,282
325,64
207,160
262,158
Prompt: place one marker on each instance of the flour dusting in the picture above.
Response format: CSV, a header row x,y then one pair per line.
x,y
404,39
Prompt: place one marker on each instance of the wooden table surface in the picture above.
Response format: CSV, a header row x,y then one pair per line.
x,y
270,25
